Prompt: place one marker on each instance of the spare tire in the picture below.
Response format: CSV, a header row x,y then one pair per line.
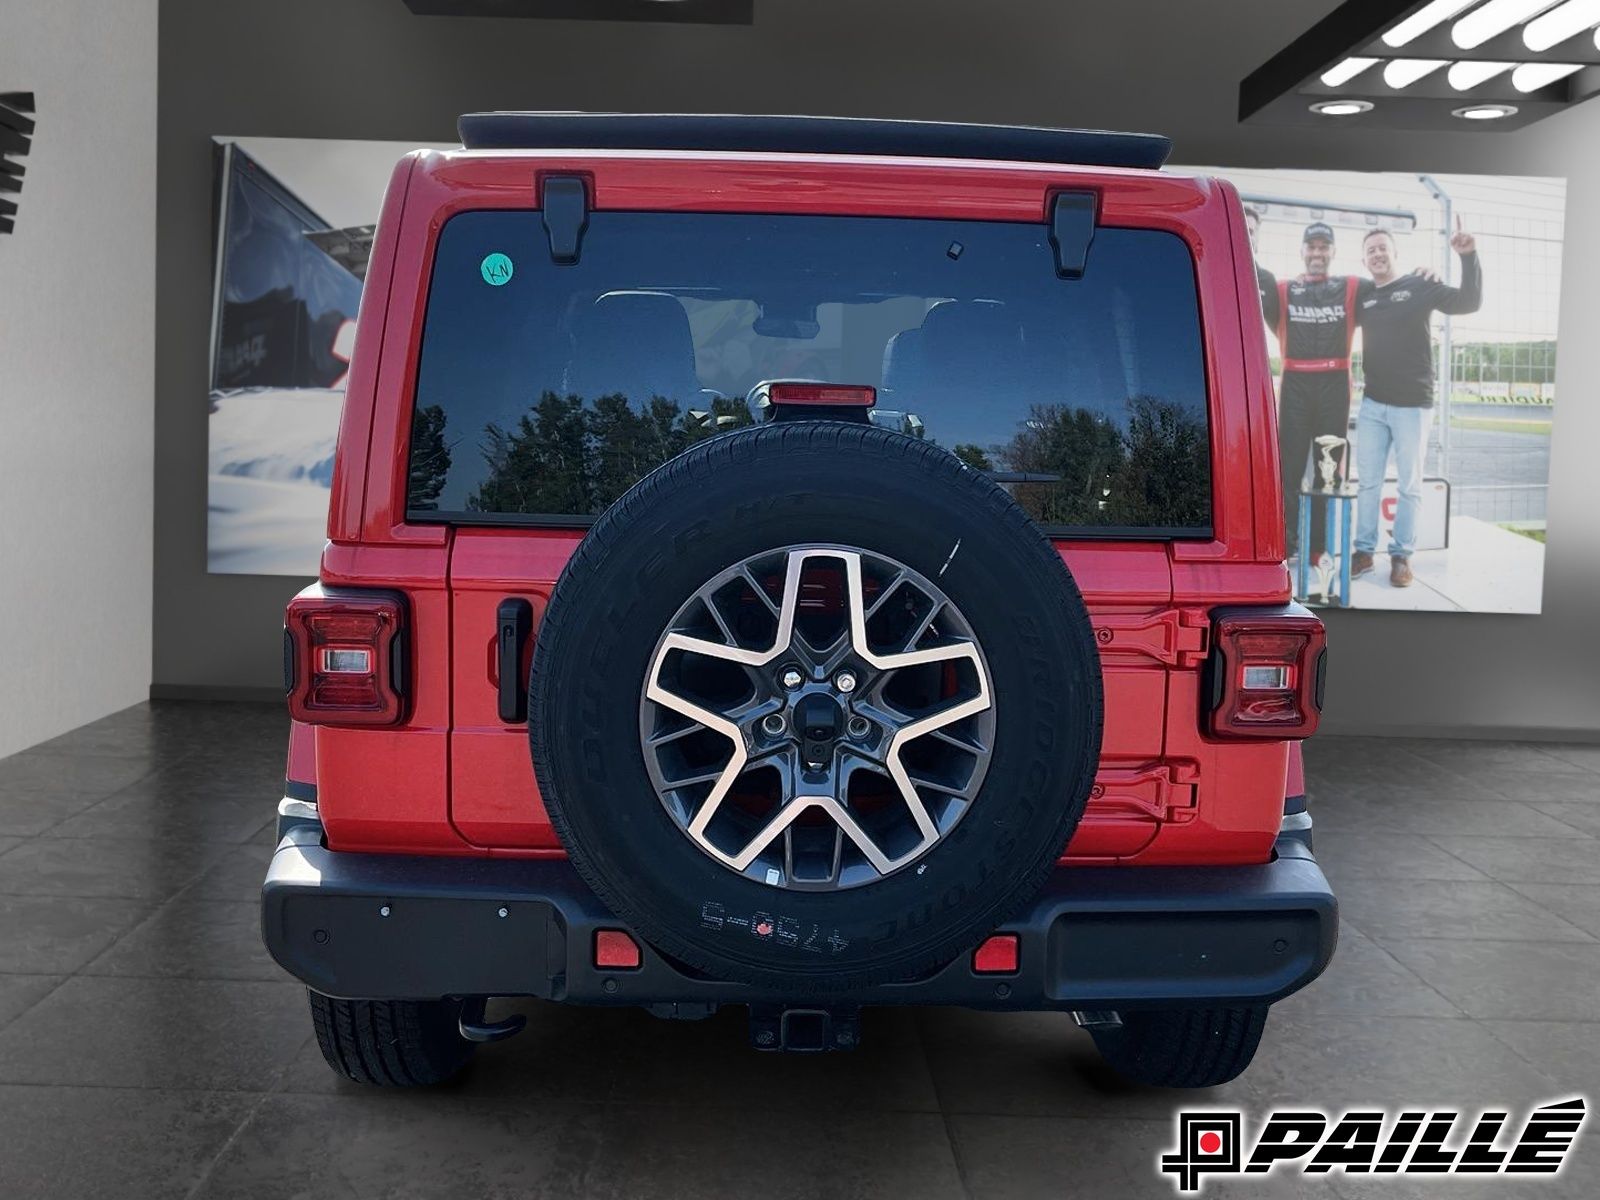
x,y
815,706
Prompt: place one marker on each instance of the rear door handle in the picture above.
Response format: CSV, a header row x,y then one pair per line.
x,y
513,625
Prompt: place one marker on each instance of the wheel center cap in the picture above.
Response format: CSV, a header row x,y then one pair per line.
x,y
818,722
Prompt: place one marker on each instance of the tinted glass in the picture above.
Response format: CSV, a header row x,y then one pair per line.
x,y
548,390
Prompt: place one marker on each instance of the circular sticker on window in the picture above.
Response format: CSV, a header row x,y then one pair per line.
x,y
496,269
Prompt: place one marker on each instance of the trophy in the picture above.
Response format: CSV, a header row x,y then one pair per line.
x,y
1331,447
1325,568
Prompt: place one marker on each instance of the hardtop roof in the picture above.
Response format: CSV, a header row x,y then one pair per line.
x,y
810,135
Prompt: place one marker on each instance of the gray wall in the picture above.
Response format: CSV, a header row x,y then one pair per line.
x,y
367,69
76,363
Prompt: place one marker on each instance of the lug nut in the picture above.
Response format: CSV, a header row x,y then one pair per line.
x,y
791,678
859,727
772,724
845,681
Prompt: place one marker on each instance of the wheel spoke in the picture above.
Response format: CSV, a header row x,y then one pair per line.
x,y
923,626
722,624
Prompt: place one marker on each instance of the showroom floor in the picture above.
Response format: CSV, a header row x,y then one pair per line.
x,y
148,1047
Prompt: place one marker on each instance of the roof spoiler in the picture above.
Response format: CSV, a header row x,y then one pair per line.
x,y
810,135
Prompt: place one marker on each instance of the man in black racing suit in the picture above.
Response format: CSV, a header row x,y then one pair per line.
x,y
1315,319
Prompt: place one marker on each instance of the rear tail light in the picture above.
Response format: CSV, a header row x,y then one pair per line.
x,y
1266,674
342,657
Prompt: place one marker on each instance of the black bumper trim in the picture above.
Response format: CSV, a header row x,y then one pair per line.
x,y
376,926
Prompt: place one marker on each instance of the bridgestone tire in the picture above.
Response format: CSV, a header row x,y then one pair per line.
x,y
787,484
391,1043
1183,1048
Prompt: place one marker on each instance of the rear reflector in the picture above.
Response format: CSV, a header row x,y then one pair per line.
x,y
614,950
826,394
997,956
342,656
1267,674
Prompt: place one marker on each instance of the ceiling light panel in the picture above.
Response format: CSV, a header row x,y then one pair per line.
x,y
1421,64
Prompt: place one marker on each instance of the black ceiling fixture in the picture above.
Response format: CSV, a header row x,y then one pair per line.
x,y
16,135
1432,65
691,12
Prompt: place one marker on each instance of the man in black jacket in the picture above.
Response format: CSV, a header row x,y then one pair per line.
x,y
1397,354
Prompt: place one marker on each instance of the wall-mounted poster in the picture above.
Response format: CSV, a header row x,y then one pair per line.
x,y
1411,324
294,221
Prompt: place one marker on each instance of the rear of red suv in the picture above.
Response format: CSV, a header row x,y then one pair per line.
x,y
929,641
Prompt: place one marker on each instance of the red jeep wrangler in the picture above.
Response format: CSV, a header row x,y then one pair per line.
x,y
803,564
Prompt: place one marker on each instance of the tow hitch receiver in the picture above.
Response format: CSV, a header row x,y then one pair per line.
x,y
804,1030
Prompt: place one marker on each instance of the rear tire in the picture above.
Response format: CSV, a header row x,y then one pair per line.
x,y
1183,1048
391,1043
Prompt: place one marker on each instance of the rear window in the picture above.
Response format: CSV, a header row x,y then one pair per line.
x,y
545,391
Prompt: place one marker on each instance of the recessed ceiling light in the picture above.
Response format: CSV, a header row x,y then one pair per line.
x,y
1346,71
1403,72
1560,23
1485,112
1464,76
1341,108
1492,19
1419,22
1530,77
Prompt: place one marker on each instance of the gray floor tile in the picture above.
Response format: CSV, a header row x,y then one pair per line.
x,y
34,771
157,1033
1579,754
1585,818
1342,1062
1452,908
1386,855
1028,1158
28,811
1576,903
1522,859
1365,980
1033,1064
1581,787
450,1144
162,806
1554,981
193,937
55,935
94,1143
19,993
1352,813
137,870
238,871
1567,1051
1391,779
1473,757
6,843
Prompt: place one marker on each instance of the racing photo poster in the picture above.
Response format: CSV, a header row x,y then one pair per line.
x,y
1409,319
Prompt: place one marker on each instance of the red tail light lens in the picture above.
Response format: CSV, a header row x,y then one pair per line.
x,y
828,394
1266,674
342,657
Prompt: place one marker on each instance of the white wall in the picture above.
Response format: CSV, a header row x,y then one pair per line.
x,y
77,328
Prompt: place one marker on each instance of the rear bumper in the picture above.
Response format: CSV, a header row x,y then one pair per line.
x,y
376,926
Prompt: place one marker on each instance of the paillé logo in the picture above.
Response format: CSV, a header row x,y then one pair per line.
x,y
1375,1141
